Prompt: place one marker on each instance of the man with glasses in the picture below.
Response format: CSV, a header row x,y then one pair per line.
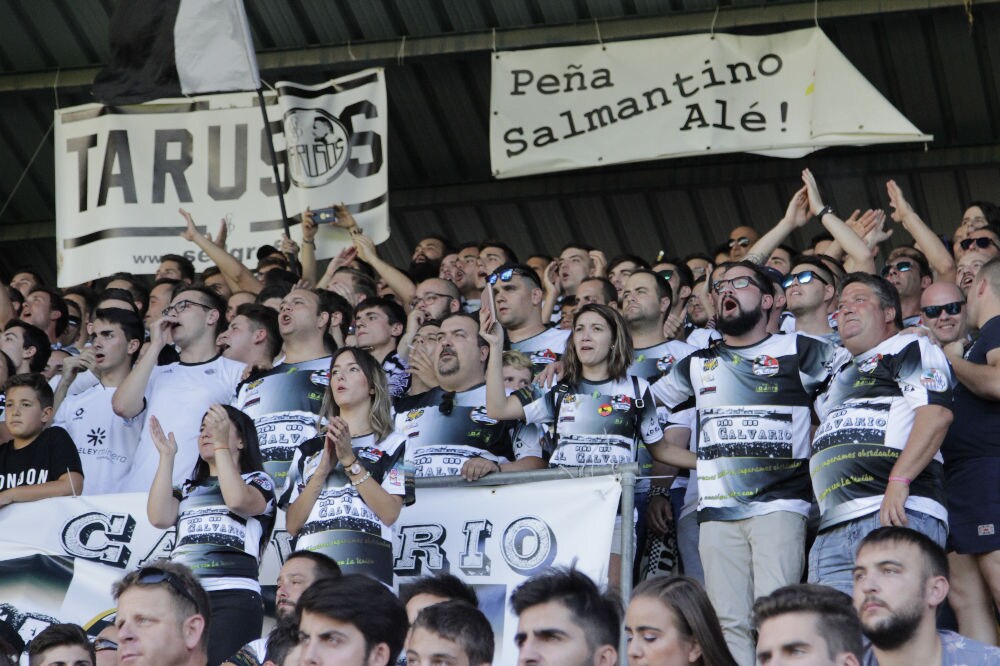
x,y
517,293
740,240
447,427
809,293
875,455
162,617
985,240
433,299
972,460
178,393
943,310
907,270
284,401
752,393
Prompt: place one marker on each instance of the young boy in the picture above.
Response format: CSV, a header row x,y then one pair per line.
x,y
37,463
516,370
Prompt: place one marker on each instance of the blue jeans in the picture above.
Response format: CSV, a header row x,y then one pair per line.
x,y
831,559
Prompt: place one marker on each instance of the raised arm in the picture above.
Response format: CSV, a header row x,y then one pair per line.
x,y
394,278
72,367
796,217
853,245
129,398
161,505
499,405
231,267
940,260
240,497
385,505
308,256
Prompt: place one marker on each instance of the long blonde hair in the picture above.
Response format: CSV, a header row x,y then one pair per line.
x,y
380,417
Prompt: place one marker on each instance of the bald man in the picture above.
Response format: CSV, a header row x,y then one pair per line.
x,y
944,312
740,241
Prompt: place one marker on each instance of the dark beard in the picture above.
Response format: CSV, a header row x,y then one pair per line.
x,y
740,324
424,270
894,632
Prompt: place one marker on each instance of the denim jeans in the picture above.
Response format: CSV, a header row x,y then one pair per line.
x,y
831,559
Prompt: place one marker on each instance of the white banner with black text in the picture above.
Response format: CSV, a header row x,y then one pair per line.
x,y
783,95
60,557
123,172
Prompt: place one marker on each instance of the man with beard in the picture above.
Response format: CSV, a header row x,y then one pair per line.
x,y
752,392
448,427
876,454
301,569
701,314
427,255
900,579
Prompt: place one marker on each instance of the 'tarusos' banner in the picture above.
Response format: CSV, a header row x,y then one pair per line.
x,y
123,172
784,95
59,557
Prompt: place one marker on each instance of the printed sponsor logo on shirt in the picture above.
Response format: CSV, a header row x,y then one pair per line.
x,y
251,402
664,363
254,384
210,371
622,403
869,364
934,380
710,364
765,366
987,530
414,414
706,390
479,416
569,399
604,410
320,378
769,387
371,454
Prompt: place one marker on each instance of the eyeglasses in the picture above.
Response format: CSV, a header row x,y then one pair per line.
x,y
804,277
901,267
934,311
427,299
181,306
154,576
736,283
102,644
981,243
742,241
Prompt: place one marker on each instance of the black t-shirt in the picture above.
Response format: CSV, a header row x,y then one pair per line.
x,y
51,455
975,430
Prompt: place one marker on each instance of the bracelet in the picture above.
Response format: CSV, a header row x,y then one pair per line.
x,y
308,242
362,479
824,211
350,463
659,491
499,469
901,479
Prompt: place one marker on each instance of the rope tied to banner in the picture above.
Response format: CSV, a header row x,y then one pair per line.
x,y
600,40
816,12
350,53
401,54
715,17
38,149
494,31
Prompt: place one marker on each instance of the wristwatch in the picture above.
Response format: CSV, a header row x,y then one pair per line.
x,y
355,467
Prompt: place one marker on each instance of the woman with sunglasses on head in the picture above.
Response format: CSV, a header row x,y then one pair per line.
x,y
347,487
223,515
599,411
670,622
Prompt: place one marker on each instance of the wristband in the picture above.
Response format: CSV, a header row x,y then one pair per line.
x,y
308,242
659,491
823,211
901,479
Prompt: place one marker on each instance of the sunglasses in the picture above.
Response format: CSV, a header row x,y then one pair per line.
x,y
102,644
154,576
507,274
934,311
736,283
804,277
742,241
981,243
901,267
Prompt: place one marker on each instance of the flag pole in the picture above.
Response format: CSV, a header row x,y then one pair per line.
x,y
292,262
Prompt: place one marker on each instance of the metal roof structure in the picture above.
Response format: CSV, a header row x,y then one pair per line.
x,y
925,56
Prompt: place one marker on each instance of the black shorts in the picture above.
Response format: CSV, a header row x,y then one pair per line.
x,y
972,486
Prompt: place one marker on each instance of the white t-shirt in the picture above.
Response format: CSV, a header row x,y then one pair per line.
x,y
106,442
178,395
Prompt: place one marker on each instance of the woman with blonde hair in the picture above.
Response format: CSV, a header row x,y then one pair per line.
x,y
347,486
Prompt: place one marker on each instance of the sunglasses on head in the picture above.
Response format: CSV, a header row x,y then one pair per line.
x,y
742,241
507,274
802,277
981,243
155,576
901,267
934,311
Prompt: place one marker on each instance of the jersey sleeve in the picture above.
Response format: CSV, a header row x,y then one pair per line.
x,y
675,387
649,423
397,468
818,361
537,409
293,481
527,440
924,375
263,484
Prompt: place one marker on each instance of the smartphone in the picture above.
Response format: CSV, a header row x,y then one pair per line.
x,y
492,303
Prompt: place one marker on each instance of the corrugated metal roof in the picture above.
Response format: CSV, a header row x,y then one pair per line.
x,y
928,62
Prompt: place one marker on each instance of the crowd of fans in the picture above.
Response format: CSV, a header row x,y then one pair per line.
x,y
824,415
